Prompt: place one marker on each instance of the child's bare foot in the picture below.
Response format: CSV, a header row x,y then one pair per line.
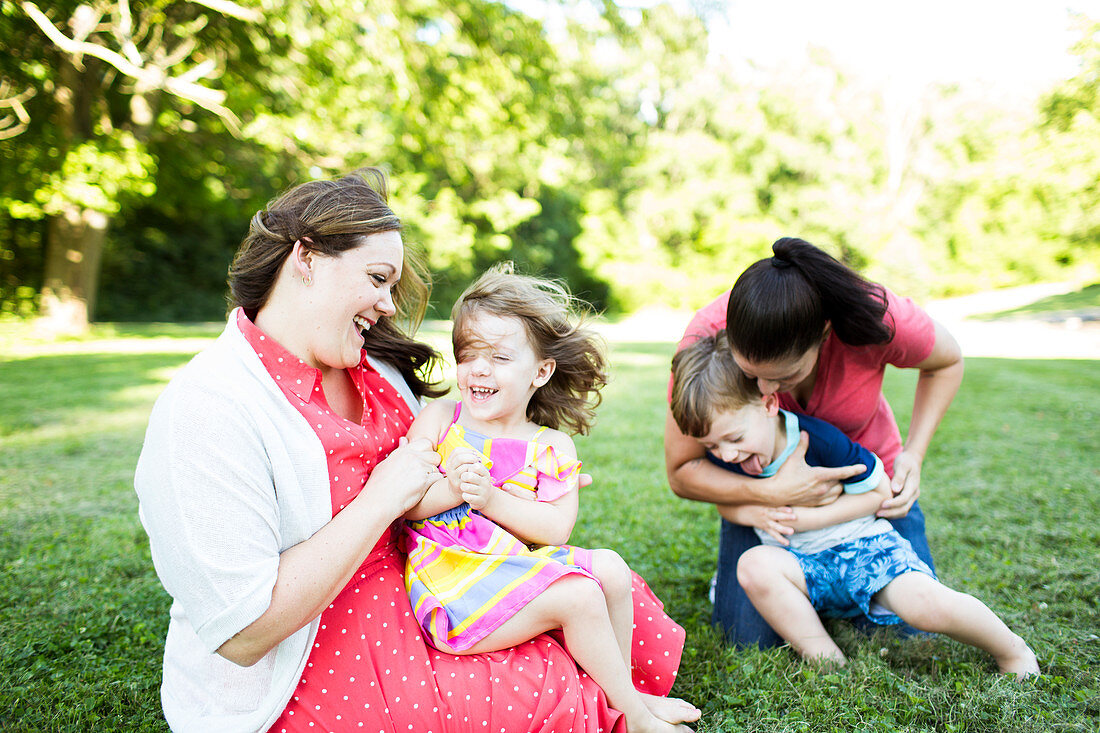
x,y
1021,663
826,660
652,724
671,709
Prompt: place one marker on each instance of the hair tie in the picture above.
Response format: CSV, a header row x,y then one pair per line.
x,y
779,263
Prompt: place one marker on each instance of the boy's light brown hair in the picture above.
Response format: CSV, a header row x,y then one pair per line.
x,y
705,381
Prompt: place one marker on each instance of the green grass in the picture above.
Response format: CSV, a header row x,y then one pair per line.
x,y
1009,491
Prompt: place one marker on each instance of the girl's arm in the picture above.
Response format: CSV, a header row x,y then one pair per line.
x,y
431,424
312,573
692,476
847,507
438,498
941,374
535,522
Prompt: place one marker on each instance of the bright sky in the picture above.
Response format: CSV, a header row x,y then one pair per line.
x,y
1020,47
1007,43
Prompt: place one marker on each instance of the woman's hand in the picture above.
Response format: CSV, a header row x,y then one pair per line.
x,y
797,483
905,486
770,519
404,475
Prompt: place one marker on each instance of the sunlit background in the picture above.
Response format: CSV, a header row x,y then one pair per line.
x,y
644,151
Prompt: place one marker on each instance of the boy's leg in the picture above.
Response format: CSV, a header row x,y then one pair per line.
x,y
733,611
911,527
773,580
927,604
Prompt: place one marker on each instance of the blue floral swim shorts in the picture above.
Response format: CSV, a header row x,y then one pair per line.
x,y
842,579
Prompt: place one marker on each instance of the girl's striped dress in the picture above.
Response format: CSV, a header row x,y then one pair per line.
x,y
465,574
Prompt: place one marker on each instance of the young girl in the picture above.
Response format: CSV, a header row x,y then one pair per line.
x,y
487,564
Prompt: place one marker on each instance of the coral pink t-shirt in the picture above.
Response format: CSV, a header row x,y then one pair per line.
x,y
848,388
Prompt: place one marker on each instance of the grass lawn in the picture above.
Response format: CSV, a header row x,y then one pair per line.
x,y
1009,492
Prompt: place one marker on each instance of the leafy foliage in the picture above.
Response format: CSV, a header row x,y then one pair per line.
x,y
612,147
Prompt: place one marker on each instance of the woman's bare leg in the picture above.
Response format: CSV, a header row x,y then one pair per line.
x,y
773,581
925,603
576,605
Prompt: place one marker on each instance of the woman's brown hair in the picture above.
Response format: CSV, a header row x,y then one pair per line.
x,y
779,306
330,217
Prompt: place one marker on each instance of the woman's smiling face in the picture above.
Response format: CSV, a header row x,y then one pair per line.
x,y
349,293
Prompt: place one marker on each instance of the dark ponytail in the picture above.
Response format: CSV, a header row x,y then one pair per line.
x,y
779,306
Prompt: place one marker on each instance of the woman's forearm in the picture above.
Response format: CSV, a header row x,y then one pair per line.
x,y
692,476
311,574
934,393
940,376
700,480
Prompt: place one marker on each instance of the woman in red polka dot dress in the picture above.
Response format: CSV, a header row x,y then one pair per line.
x,y
272,482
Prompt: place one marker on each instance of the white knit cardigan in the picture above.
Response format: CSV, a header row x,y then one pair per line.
x,y
230,476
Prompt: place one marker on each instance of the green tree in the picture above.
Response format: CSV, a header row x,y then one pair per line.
x,y
104,79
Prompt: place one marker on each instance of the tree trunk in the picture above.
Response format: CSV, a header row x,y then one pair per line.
x,y
74,247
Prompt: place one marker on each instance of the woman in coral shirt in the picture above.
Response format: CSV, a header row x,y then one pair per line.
x,y
807,327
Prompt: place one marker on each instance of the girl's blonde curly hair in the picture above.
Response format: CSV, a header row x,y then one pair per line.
x,y
556,324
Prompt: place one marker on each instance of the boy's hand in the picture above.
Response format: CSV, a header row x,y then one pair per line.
x,y
475,486
770,519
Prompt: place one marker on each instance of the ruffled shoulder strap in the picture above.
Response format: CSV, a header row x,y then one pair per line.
x,y
557,474
458,437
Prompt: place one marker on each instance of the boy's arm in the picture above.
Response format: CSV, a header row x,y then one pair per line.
x,y
775,520
538,522
847,507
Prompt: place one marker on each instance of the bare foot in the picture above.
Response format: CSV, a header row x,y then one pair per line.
x,y
1021,663
671,709
655,725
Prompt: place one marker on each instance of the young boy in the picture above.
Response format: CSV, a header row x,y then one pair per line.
x,y
840,561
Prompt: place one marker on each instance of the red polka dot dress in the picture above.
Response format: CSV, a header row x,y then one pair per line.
x,y
371,668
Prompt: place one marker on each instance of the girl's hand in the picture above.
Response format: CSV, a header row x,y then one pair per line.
x,y
459,461
771,519
475,486
404,475
905,485
797,483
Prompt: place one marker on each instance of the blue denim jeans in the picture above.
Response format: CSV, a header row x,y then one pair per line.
x,y
733,611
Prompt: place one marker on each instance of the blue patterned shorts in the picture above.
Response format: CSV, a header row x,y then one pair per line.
x,y
842,579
